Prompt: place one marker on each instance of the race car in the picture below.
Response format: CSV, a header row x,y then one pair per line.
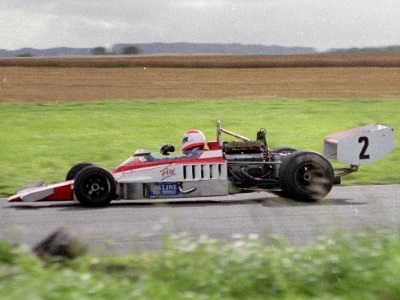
x,y
219,168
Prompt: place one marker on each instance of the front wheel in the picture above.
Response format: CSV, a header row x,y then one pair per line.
x,y
94,187
76,169
306,176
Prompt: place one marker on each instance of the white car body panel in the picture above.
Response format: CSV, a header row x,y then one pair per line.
x,y
360,145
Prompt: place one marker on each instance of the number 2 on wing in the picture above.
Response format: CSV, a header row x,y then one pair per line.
x,y
364,139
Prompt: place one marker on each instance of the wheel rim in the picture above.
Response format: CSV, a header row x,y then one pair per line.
x,y
96,187
311,178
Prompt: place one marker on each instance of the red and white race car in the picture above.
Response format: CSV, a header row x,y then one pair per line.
x,y
218,168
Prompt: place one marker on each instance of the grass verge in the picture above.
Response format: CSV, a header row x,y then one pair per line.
x,y
365,266
42,141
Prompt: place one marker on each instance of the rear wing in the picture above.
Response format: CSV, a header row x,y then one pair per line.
x,y
360,145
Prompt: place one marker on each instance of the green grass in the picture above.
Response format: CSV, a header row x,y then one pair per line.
x,y
365,266
42,141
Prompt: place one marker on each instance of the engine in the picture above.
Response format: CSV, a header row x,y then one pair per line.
x,y
252,165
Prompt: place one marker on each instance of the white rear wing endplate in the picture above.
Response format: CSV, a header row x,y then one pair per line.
x,y
360,145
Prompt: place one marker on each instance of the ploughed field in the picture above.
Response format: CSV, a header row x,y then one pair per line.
x,y
200,77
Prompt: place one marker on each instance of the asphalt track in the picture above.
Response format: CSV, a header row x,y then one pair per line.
x,y
126,227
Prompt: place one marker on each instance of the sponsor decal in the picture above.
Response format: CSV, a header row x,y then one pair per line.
x,y
167,172
163,189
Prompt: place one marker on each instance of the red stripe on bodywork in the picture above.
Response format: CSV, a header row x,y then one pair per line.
x,y
15,198
180,161
62,192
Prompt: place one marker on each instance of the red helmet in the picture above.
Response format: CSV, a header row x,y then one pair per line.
x,y
193,138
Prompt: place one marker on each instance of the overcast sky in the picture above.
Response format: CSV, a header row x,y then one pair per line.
x,y
88,23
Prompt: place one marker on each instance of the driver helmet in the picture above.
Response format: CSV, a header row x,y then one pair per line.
x,y
192,139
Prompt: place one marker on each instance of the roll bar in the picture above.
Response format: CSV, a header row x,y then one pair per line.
x,y
221,130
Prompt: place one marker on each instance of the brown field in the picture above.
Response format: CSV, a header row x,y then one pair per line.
x,y
199,77
383,60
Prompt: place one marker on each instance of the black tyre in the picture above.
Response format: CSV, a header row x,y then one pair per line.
x,y
76,169
306,176
283,150
94,187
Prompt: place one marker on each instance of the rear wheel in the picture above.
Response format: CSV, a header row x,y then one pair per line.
x,y
283,150
76,169
94,187
306,176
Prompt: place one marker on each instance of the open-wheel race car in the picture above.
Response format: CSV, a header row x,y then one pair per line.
x,y
220,168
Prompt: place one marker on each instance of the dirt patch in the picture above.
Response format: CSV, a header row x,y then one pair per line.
x,y
74,84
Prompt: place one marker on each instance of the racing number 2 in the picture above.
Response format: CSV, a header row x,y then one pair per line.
x,y
364,139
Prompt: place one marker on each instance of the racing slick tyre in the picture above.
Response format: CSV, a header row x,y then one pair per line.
x,y
76,169
94,187
283,150
306,176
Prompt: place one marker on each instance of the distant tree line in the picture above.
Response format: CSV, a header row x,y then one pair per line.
x,y
127,50
25,55
389,49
